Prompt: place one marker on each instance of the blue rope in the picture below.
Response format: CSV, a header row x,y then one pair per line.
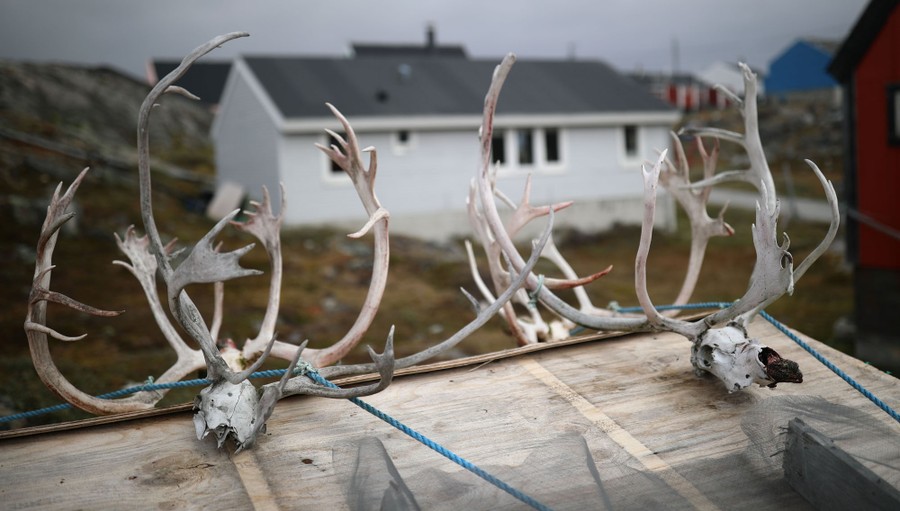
x,y
818,356
533,295
443,451
149,386
466,464
835,369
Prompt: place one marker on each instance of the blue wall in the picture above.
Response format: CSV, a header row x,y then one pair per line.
x,y
801,67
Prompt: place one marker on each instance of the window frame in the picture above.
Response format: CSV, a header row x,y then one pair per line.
x,y
635,152
501,136
539,163
523,134
892,92
544,132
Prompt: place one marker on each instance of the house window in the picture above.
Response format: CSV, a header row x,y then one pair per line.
x,y
331,141
498,148
893,108
525,146
528,149
630,135
403,141
551,145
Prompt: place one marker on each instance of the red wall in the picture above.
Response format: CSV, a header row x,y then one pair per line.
x,y
877,163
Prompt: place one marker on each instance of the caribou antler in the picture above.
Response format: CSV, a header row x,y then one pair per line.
x,y
720,342
36,328
485,191
693,200
148,257
231,407
349,158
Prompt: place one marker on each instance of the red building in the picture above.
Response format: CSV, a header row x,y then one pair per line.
x,y
682,90
868,66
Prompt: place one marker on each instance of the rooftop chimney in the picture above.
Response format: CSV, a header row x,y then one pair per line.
x,y
429,38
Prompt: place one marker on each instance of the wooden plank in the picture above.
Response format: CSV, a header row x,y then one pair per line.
x,y
829,478
634,400
632,445
153,463
475,360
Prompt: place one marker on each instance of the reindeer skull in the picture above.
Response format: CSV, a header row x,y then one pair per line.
x,y
739,361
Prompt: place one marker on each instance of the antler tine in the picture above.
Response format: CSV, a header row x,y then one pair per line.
x,y
773,273
144,134
383,363
772,276
676,180
655,319
203,264
831,197
523,213
499,276
483,316
533,330
758,173
495,224
143,267
265,226
552,254
269,396
363,182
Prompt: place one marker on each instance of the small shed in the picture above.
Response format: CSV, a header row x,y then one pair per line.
x,y
802,67
579,128
868,66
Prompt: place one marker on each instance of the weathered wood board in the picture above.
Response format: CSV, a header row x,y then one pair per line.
x,y
633,399
829,478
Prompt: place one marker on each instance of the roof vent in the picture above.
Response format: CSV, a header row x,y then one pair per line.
x,y
404,71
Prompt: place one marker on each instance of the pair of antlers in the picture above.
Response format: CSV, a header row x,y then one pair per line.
x,y
773,274
246,409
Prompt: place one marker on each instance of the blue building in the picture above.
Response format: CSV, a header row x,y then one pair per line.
x,y
801,67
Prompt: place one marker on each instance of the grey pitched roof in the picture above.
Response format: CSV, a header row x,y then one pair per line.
x,y
204,79
409,86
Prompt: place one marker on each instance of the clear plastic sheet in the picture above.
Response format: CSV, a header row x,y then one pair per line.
x,y
604,476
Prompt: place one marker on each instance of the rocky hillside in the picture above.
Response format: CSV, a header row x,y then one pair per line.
x,y
94,110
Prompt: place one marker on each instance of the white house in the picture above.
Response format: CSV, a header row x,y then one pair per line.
x,y
580,128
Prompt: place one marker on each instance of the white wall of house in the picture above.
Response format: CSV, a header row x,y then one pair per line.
x,y
424,181
246,140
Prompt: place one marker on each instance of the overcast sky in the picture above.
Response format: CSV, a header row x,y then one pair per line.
x,y
629,34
